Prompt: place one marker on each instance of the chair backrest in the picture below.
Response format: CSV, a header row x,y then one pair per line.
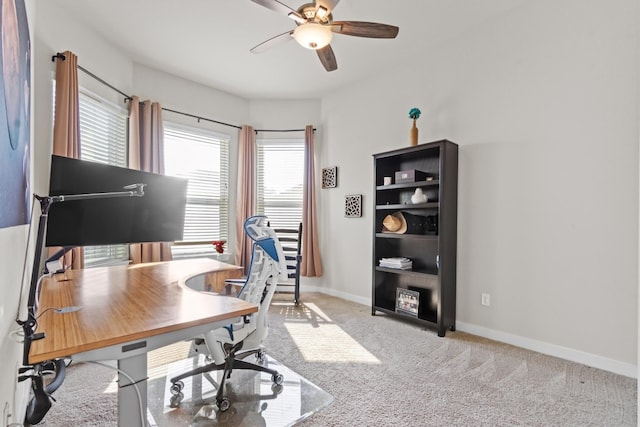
x,y
291,242
267,267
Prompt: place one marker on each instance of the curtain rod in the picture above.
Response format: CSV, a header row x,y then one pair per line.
x,y
201,118
61,56
281,130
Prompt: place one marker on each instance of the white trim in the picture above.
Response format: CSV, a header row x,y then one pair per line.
x,y
334,293
573,355
276,141
570,354
191,128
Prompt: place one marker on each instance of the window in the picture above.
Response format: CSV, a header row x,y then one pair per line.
x,y
202,156
103,128
280,181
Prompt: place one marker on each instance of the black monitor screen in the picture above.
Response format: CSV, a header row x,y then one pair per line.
x,y
158,216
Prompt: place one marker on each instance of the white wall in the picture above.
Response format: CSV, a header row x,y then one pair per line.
x,y
12,250
544,105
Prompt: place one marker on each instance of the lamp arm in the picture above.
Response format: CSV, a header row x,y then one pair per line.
x,y
135,190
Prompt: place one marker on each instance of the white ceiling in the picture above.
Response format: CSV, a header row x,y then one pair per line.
x,y
208,41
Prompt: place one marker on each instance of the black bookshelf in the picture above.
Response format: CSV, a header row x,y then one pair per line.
x,y
431,283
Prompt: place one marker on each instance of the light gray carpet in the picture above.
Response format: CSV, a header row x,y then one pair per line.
x,y
385,372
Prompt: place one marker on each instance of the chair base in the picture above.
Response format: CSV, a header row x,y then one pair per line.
x,y
232,361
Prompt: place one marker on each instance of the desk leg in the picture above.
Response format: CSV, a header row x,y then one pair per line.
x,y
128,406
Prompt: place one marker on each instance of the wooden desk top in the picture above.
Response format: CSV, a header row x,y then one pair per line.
x,y
125,303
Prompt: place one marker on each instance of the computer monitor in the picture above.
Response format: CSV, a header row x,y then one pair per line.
x,y
158,216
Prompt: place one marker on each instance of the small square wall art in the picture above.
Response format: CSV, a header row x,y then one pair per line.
x,y
353,206
330,177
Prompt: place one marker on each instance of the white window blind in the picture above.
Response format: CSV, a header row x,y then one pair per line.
x,y
103,136
202,156
280,165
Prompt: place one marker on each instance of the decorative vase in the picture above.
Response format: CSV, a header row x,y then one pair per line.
x,y
414,133
418,197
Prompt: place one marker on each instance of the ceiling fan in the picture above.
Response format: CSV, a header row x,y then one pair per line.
x,y
315,27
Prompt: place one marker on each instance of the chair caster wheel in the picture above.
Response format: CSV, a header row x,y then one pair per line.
x,y
224,404
277,379
224,418
176,387
261,356
175,400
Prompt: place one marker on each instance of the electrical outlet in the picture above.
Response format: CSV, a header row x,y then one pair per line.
x,y
486,299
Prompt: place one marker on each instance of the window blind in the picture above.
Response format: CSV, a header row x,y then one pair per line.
x,y
280,173
103,132
202,156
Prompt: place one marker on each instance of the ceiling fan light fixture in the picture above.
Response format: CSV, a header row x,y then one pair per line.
x,y
312,35
299,19
322,12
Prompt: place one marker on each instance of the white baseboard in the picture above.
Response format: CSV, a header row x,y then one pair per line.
x,y
334,293
595,361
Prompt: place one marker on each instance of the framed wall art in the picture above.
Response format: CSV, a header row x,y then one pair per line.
x,y
330,177
353,206
15,115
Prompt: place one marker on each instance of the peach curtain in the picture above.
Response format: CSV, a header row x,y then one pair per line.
x,y
245,203
311,265
66,127
146,153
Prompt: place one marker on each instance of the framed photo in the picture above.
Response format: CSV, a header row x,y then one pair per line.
x,y
330,177
407,302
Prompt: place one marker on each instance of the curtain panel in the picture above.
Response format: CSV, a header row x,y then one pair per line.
x,y
246,195
66,128
311,265
146,153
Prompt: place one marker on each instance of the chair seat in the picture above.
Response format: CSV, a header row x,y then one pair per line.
x,y
232,333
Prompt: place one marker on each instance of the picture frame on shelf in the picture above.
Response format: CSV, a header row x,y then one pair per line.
x,y
407,302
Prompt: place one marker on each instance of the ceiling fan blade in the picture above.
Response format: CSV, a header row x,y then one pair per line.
x,y
273,41
281,8
365,29
327,4
327,58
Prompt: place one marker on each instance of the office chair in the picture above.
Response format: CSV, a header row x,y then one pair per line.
x,y
223,345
